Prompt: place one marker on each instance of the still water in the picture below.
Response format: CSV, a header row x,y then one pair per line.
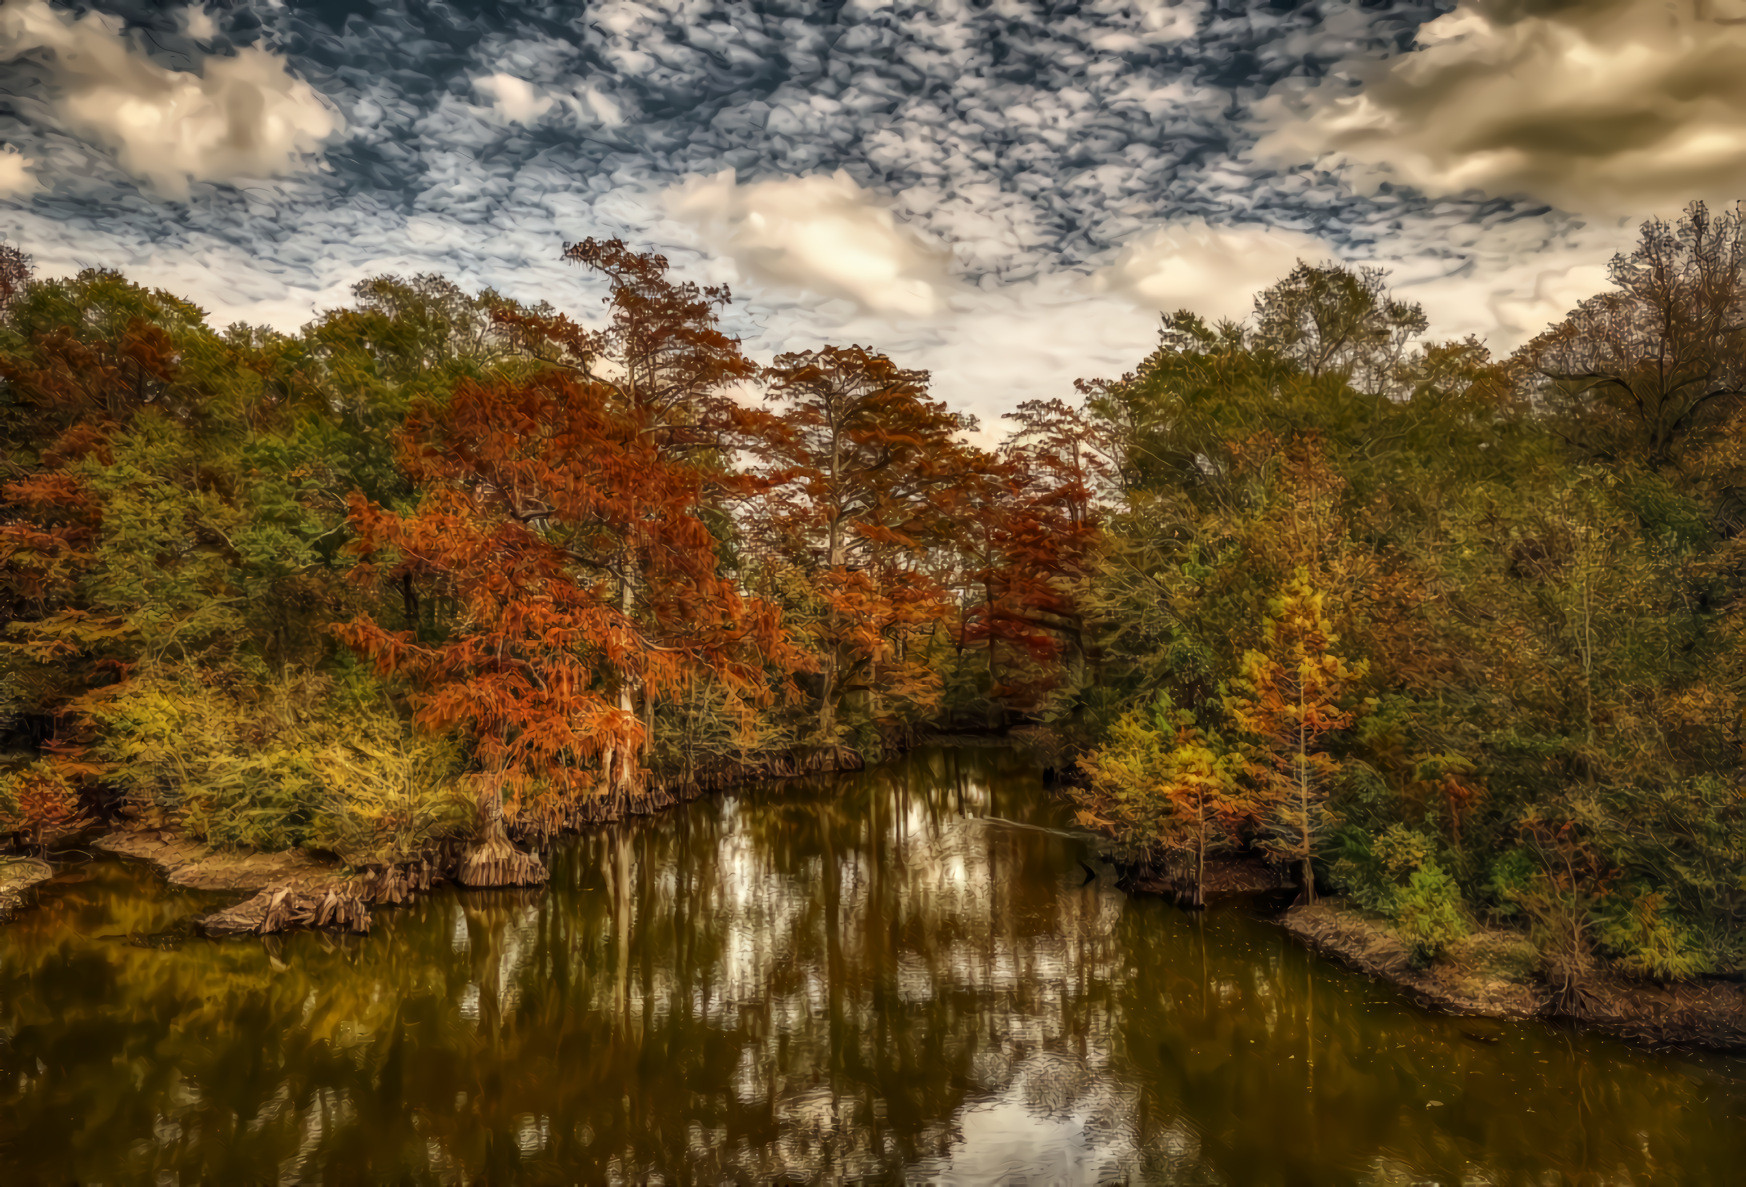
x,y
877,978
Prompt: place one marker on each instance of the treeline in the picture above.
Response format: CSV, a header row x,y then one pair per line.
x,y
1457,635
447,566
1464,637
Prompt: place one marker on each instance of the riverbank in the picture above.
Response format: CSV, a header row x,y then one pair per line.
x,y
294,889
18,877
289,890
1495,973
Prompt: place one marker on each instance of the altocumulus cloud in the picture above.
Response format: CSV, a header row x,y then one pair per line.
x,y
513,98
1007,193
233,118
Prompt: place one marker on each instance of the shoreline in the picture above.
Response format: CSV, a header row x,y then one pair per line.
x,y
1492,973
289,890
1477,983
296,890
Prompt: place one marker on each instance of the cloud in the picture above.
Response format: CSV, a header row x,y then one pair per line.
x,y
1214,271
16,178
1508,280
198,23
1005,193
242,116
823,234
1603,106
513,98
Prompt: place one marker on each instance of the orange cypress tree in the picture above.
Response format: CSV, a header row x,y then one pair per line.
x,y
538,495
1291,695
1030,548
863,467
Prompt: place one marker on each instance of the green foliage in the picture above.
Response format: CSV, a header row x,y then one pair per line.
x,y
1427,912
290,761
1166,792
1647,942
1399,874
1548,614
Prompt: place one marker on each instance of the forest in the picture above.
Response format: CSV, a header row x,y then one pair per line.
x,y
446,574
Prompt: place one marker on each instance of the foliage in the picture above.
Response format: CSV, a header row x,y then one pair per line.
x,y
37,802
1166,793
1287,697
297,759
1465,634
1527,581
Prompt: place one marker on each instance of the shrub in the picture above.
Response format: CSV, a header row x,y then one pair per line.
x,y
1646,941
389,793
36,802
1427,913
295,760
1398,875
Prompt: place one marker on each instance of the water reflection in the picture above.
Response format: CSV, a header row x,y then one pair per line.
x,y
868,980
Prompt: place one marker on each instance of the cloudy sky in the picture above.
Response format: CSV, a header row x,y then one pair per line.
x,y
1006,192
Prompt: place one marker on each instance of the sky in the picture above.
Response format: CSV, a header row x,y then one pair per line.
x,y
1007,193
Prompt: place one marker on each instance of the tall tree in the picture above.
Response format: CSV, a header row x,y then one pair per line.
x,y
1639,371
1289,697
535,494
1330,320
866,460
1167,793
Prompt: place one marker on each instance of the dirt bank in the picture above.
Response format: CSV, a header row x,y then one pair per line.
x,y
1495,974
291,889
1224,879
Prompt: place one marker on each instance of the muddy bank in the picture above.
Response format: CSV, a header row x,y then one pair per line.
x,y
291,889
1489,974
18,877
1495,974
188,863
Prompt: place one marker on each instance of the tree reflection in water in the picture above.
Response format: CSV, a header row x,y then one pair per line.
x,y
859,979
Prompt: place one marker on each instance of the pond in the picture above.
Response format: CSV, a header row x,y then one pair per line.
x,y
900,975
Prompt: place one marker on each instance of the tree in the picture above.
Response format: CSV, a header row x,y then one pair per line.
x,y
1288,699
1045,531
15,272
1166,792
1640,371
670,370
863,466
1330,320
535,493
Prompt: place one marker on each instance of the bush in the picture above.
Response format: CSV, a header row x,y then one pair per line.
x,y
1427,913
389,793
1398,875
37,802
1646,941
302,759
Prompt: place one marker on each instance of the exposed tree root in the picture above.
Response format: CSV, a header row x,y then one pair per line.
x,y
495,861
285,908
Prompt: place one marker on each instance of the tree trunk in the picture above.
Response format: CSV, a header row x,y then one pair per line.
x,y
409,603
493,860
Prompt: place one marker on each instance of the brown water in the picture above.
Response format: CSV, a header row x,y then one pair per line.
x,y
863,980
